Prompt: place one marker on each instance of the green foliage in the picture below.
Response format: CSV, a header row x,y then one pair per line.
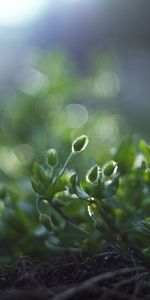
x,y
48,184
145,150
80,213
111,203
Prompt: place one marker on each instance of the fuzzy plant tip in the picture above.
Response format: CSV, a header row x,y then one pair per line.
x,y
92,175
80,144
109,168
52,157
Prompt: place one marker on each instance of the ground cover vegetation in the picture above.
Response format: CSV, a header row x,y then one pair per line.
x,y
96,236
110,202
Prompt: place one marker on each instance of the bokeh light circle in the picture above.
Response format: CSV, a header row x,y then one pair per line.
x,y
76,115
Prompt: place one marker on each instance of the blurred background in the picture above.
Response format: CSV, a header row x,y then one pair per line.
x,y
67,67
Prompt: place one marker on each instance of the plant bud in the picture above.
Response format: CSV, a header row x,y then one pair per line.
x,y
93,174
52,157
109,168
45,221
37,187
80,144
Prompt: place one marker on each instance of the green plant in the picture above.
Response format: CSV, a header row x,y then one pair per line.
x,y
49,184
111,203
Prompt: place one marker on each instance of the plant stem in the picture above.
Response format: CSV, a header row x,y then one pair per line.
x,y
37,204
66,164
53,172
70,221
60,212
106,219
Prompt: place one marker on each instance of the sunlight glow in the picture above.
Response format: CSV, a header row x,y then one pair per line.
x,y
18,12
76,115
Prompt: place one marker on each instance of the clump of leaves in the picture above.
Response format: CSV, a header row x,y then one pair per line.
x,y
111,203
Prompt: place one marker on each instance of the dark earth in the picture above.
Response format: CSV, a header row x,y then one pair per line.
x,y
112,274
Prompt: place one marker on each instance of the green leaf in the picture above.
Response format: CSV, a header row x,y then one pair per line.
x,y
58,221
73,234
145,148
59,249
125,156
2,192
46,221
98,189
45,207
43,175
111,186
146,252
36,171
37,187
77,190
143,227
74,208
55,249
56,187
117,204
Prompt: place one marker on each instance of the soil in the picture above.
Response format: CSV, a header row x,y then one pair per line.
x,y
112,274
